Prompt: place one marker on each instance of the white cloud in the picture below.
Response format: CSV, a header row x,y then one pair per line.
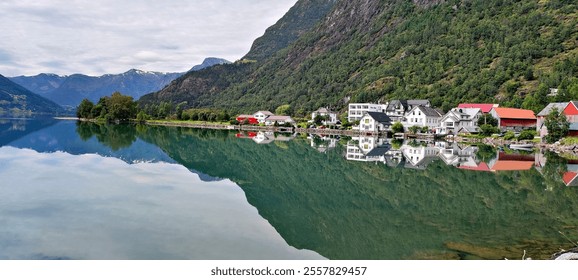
x,y
112,36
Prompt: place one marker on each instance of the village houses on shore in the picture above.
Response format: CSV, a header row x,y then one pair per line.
x,y
417,116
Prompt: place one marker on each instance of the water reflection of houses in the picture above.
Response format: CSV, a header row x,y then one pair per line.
x,y
374,149
265,137
322,143
367,148
458,155
419,155
570,175
512,162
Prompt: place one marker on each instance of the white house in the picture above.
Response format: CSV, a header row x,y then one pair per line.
x,y
357,110
269,136
460,120
331,117
419,157
453,154
542,130
262,115
367,149
374,122
323,143
423,116
397,109
281,120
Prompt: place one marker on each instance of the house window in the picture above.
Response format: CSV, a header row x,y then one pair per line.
x,y
449,124
366,121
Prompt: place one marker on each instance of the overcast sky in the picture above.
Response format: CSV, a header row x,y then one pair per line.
x,y
112,36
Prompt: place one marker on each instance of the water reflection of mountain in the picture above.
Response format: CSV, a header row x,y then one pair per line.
x,y
50,135
354,210
13,129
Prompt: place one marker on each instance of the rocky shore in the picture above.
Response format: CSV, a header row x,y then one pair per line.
x,y
571,254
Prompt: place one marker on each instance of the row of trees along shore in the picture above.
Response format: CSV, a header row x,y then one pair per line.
x,y
122,108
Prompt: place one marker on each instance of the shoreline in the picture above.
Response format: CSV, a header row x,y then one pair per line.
x,y
558,148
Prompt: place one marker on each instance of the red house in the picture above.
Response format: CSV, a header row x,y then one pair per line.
x,y
250,118
512,162
514,119
571,113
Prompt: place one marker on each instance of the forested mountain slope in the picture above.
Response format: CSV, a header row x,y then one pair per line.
x,y
505,51
16,101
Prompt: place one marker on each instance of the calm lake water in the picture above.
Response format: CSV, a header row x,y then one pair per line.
x,y
87,191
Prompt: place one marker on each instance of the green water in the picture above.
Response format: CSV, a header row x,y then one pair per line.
x,y
355,210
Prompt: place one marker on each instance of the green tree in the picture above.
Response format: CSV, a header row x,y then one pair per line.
x,y
527,135
180,108
487,129
84,110
557,126
318,120
120,107
284,110
487,119
414,129
509,135
141,117
397,127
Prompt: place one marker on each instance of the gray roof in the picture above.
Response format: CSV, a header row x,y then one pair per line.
x,y
430,112
407,103
418,102
422,165
378,151
546,111
278,118
471,129
380,117
396,102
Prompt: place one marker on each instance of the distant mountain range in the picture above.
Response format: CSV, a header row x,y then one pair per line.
x,y
15,100
69,91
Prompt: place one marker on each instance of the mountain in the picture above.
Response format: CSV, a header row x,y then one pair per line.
x,y
70,90
208,62
15,100
298,20
497,51
42,84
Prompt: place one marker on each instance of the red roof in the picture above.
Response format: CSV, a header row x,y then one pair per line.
x,y
485,108
568,177
511,165
511,113
481,167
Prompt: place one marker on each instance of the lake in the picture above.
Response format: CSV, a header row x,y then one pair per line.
x,y
85,191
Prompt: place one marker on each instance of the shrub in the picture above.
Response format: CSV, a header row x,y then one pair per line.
x,y
526,135
397,127
509,135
